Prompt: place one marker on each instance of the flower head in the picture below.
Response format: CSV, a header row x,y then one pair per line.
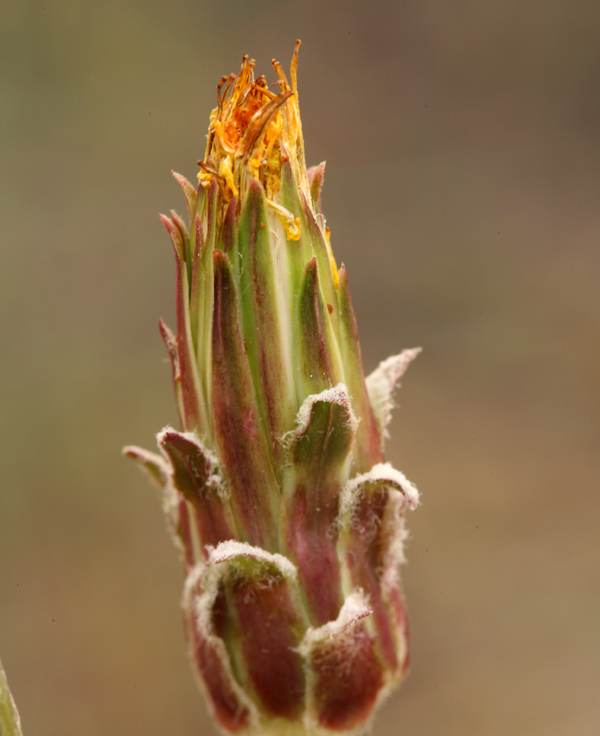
x,y
289,522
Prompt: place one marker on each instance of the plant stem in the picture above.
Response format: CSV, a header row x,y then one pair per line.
x,y
10,723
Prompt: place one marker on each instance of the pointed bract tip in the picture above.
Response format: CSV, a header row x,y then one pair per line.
x,y
166,221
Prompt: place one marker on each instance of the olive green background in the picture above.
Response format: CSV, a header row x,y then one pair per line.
x,y
462,190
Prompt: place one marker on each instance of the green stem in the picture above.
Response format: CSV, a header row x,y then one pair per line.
x,y
10,723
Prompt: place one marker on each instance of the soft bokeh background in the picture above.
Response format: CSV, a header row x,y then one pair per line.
x,y
463,181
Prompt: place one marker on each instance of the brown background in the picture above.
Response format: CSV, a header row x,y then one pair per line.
x,y
463,179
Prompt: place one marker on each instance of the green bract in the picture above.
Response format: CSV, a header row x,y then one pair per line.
x,y
289,522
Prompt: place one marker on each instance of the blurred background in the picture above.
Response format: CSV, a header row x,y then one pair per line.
x,y
463,180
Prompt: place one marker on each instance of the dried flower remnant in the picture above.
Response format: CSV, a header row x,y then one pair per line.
x,y
289,522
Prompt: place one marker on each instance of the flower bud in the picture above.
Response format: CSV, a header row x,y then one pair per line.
x,y
289,522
